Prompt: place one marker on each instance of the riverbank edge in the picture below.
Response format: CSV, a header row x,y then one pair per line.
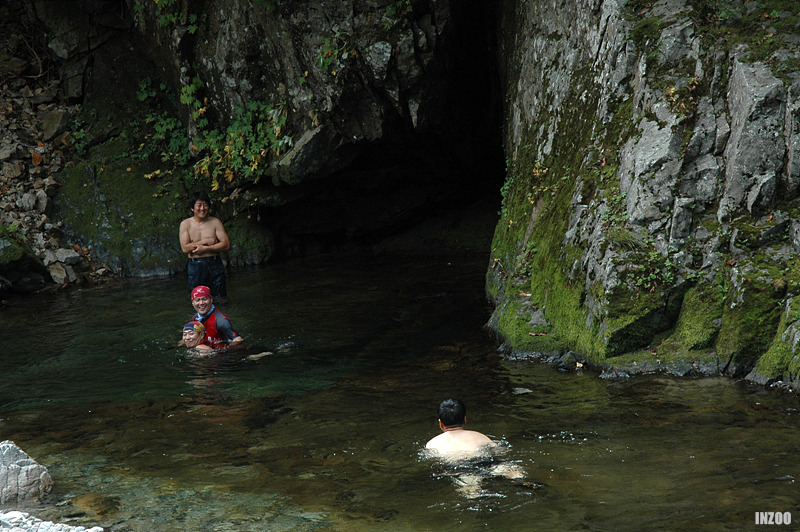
x,y
646,363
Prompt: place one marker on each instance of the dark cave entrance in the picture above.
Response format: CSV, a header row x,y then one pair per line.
x,y
454,167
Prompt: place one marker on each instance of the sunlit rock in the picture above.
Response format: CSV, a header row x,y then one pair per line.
x,y
20,476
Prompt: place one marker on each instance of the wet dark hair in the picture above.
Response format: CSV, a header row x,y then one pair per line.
x,y
200,195
452,413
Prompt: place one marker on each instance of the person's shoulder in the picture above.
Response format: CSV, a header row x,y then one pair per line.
x,y
480,437
433,442
217,312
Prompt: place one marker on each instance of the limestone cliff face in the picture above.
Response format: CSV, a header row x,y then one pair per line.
x,y
650,214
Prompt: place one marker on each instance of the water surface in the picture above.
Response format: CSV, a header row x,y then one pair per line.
x,y
325,433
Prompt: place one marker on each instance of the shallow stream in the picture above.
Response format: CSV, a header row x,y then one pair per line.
x,y
325,432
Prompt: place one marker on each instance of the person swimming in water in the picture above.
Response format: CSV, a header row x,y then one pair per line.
x,y
194,337
194,334
219,332
456,441
469,454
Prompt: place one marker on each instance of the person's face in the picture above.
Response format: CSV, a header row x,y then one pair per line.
x,y
202,304
201,209
192,338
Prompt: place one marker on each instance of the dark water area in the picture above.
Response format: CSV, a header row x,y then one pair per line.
x,y
326,431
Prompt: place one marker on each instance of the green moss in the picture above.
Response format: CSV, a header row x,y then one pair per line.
x,y
106,202
776,362
12,247
251,242
793,370
700,317
696,328
748,327
538,196
646,32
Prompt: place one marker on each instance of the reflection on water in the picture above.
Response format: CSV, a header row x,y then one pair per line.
x,y
325,433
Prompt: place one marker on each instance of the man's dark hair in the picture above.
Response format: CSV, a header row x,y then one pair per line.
x,y
452,413
200,195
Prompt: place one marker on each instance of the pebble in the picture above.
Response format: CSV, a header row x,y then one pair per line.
x,y
15,521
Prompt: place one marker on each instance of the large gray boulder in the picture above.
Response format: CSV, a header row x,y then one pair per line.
x,y
20,476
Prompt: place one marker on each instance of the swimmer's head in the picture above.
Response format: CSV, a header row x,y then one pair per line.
x,y
452,413
193,333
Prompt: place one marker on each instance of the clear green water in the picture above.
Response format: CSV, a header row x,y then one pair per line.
x,y
325,434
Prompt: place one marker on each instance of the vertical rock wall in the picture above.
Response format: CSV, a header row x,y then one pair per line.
x,y
650,208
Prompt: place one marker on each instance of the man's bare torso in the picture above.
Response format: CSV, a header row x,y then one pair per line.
x,y
202,233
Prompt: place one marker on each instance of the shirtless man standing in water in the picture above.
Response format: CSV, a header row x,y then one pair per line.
x,y
203,238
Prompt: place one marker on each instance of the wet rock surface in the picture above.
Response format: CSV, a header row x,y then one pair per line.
x,y
35,143
15,521
20,476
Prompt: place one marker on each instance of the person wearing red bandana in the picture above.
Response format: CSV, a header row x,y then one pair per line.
x,y
219,330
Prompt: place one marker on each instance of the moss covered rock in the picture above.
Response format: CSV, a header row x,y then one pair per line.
x,y
20,269
645,220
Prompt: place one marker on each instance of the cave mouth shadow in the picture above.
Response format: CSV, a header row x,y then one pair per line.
x,y
452,162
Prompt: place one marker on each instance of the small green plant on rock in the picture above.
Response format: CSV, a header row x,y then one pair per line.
x,y
683,101
334,52
269,5
78,135
654,269
616,213
240,153
526,259
505,190
244,149
168,140
190,96
394,13
174,13
145,91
